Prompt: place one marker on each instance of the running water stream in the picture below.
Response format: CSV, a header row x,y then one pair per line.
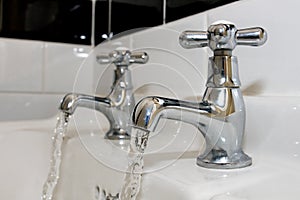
x,y
56,156
133,175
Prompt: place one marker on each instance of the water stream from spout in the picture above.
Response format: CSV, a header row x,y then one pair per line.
x,y
132,178
56,156
133,175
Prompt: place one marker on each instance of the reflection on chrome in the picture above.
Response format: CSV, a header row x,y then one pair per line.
x,y
118,105
220,116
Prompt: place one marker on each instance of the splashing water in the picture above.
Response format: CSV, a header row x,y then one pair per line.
x,y
56,156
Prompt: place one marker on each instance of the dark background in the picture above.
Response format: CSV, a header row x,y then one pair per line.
x,y
70,21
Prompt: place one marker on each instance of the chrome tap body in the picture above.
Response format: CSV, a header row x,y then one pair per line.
x,y
220,116
119,103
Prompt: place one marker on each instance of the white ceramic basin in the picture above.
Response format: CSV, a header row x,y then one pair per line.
x,y
272,139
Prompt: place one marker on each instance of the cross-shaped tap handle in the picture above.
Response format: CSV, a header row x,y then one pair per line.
x,y
122,58
223,36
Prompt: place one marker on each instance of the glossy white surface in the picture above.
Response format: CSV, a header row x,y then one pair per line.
x,y
272,133
272,139
21,65
268,70
62,63
34,66
23,106
25,150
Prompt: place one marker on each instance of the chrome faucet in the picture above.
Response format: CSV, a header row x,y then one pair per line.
x,y
119,103
220,116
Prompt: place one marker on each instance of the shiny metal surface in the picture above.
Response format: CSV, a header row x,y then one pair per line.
x,y
223,37
223,72
220,116
251,36
119,103
123,58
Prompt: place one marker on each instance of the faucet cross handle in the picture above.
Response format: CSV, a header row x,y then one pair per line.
x,y
123,58
223,36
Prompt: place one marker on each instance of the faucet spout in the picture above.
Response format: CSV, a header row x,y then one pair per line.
x,y
219,117
118,128
71,101
150,110
118,104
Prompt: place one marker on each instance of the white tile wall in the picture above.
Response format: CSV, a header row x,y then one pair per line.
x,y
170,66
268,70
21,64
43,67
32,66
272,69
34,76
65,68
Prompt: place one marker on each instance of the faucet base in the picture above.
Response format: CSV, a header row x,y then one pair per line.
x,y
219,159
117,134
